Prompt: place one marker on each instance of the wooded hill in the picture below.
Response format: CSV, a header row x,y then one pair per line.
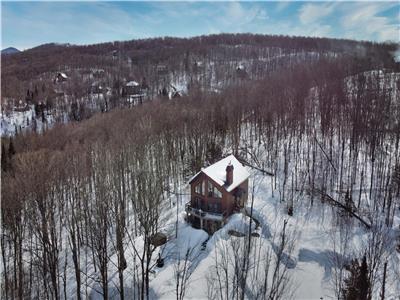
x,y
138,58
327,128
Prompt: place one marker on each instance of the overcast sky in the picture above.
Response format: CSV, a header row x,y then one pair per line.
x,y
28,24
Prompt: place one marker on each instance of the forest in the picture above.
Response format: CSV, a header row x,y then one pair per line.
x,y
317,122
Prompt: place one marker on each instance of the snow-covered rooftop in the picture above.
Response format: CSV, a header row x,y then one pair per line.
x,y
132,83
217,172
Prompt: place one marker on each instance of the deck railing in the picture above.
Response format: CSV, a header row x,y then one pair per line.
x,y
204,213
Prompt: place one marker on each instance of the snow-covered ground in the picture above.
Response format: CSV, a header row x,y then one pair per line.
x,y
15,120
23,121
310,264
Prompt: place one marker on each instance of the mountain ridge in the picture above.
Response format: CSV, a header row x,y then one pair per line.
x,y
10,50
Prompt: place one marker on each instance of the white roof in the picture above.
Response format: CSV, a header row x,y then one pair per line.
x,y
132,83
217,172
63,75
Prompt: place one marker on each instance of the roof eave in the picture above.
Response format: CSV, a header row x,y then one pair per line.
x,y
194,177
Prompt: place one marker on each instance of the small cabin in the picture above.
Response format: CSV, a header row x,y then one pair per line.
x,y
198,66
241,71
134,92
114,54
162,70
133,88
21,107
60,77
217,192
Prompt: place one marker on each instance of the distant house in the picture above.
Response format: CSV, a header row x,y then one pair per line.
x,y
217,192
162,70
21,107
174,92
60,77
135,92
115,54
170,93
133,88
198,66
241,71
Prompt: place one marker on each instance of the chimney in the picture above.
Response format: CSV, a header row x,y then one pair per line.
x,y
229,174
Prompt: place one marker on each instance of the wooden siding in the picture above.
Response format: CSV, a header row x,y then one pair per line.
x,y
227,202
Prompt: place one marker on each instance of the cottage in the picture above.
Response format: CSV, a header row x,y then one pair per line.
x,y
241,71
60,77
162,70
217,192
198,66
114,54
134,92
21,107
133,88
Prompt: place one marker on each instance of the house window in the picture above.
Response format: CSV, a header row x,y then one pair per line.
x,y
198,188
217,193
210,189
213,191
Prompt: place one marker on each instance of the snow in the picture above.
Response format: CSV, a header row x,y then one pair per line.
x,y
132,83
310,263
15,120
217,172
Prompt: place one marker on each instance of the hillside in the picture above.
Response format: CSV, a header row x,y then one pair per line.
x,y
88,187
97,75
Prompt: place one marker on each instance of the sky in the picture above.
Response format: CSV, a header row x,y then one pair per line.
x,y
28,24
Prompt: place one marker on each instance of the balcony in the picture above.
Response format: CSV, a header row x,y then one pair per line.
x,y
204,214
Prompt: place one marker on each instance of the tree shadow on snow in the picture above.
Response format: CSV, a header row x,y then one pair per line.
x,y
325,259
113,293
286,260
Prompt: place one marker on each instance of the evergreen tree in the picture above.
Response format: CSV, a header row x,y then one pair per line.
x,y
363,280
357,285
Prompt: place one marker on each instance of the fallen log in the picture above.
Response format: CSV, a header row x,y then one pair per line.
x,y
336,203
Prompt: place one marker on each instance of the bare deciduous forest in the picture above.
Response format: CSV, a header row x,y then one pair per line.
x,y
82,199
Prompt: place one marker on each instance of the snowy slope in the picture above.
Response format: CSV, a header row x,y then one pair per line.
x,y
310,265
